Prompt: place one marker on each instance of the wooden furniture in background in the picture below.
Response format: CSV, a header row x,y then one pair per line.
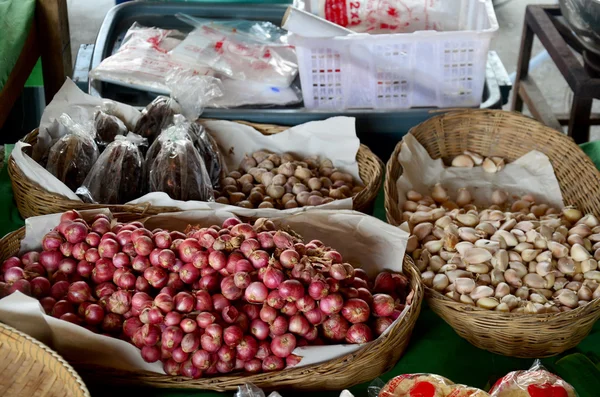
x,y
546,23
49,38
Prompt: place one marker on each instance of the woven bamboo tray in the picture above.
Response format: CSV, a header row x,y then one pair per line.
x,y
30,368
33,199
354,368
508,135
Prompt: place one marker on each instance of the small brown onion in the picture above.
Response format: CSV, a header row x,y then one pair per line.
x,y
235,174
286,169
279,180
246,178
287,197
266,164
291,204
314,183
302,198
267,178
275,191
302,173
255,197
245,204
247,188
325,182
266,204
228,181
236,197
222,200
299,187
315,200
336,194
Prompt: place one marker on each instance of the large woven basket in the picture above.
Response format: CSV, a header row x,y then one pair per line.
x,y
354,368
33,199
508,135
30,368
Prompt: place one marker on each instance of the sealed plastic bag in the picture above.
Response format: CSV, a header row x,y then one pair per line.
x,y
209,152
107,125
72,156
175,166
143,61
535,382
237,51
118,175
155,117
412,385
192,91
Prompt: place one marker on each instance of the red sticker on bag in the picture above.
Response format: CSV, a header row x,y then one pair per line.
x,y
547,390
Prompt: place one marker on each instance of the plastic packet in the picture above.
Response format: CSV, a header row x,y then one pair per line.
x,y
235,50
143,61
429,385
73,155
209,152
175,166
107,125
155,117
385,16
192,91
534,382
118,175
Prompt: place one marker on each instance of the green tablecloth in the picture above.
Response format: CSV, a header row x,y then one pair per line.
x,y
15,22
434,346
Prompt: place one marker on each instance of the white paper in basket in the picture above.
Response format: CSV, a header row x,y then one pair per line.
x,y
334,138
361,239
531,173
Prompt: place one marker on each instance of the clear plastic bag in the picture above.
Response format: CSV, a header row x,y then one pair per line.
x,y
209,152
155,117
72,156
535,382
430,385
192,91
240,50
108,125
143,61
118,175
175,166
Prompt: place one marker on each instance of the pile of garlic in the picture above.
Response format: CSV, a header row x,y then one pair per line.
x,y
471,159
518,256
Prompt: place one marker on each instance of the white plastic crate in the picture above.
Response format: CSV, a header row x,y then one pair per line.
x,y
403,70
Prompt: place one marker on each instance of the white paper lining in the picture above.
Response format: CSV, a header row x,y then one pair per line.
x,y
531,173
361,239
334,138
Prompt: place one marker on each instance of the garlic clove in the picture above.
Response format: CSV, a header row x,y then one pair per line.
x,y
492,246
489,165
463,197
512,278
509,224
454,274
414,196
463,161
585,294
543,268
436,263
468,234
443,221
477,158
421,216
581,229
482,291
589,220
502,289
501,260
502,307
455,296
558,250
487,303
566,266
522,292
499,197
448,268
496,277
476,256
439,194
522,247
427,278
589,265
578,253
511,301
440,282
545,256
468,219
464,285
450,241
478,268
466,299
514,256
529,254
572,214
422,230
520,205
592,275
434,246
568,298
534,280
412,244
487,228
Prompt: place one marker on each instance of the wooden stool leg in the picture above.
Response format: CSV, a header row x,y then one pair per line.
x,y
579,122
522,65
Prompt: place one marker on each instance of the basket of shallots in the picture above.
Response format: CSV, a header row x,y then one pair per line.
x,y
214,299
503,215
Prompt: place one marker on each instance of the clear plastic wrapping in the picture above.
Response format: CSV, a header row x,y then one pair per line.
x,y
155,117
72,156
209,152
240,50
535,382
118,175
175,166
412,385
192,91
107,125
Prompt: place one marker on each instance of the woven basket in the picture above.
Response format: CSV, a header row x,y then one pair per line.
x,y
354,368
33,199
508,135
30,368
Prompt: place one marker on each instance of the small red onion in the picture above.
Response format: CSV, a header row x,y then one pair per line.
x,y
384,283
40,287
50,260
27,258
273,363
256,292
259,259
190,342
273,277
203,301
85,268
150,354
212,339
226,353
140,263
356,311
94,314
126,280
279,326
184,302
289,309
52,241
66,248
141,301
259,329
79,292
131,326
13,274
79,250
138,232
225,367
229,290
59,276
299,324
59,290
247,348
253,366
189,273
264,350
109,235
141,284
71,317
312,334
200,259
268,314
383,305
11,262
105,289
103,271
217,260
315,316
241,280
93,239
121,260
153,257
291,290
334,285
101,226
332,303
92,255
108,248
210,282
244,265
61,307
283,345
204,319
230,222
306,304
359,333
143,244
163,240
173,318
171,337
249,246
188,248
283,240
266,240
252,311
230,314
207,238
48,303
359,283
119,302
166,258
275,300
67,266
381,324
338,272
289,258
188,325
112,323
335,327
243,322
171,367
220,302
156,277
202,360
124,237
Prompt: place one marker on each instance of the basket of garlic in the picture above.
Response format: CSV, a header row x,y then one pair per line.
x,y
514,276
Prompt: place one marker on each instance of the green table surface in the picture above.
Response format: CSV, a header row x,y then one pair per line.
x,y
434,346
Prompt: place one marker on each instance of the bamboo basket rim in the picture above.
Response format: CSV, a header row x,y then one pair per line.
x,y
287,378
470,321
82,387
370,169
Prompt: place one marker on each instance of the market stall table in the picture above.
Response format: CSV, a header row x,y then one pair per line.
x,y
434,346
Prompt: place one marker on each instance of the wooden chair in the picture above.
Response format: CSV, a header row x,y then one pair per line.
x,y
48,38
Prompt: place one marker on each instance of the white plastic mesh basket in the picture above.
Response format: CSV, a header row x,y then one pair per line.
x,y
403,70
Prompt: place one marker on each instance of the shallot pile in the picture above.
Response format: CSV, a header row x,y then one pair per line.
x,y
515,256
269,180
212,300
